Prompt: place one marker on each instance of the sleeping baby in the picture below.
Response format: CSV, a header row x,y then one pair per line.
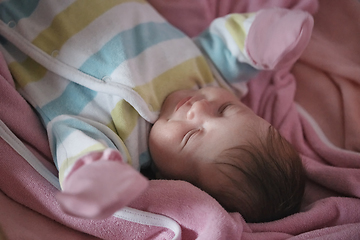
x,y
121,90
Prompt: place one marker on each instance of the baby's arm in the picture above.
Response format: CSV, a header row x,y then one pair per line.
x,y
241,44
94,176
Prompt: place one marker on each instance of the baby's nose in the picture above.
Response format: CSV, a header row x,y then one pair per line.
x,y
199,110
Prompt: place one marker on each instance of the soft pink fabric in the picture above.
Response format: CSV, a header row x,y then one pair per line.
x,y
99,184
337,115
192,17
325,82
277,37
332,203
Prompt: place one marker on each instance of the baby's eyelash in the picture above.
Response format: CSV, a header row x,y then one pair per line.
x,y
224,106
188,135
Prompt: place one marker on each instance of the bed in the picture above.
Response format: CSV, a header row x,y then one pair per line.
x,y
315,105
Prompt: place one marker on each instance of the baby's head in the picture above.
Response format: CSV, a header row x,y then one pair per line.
x,y
210,139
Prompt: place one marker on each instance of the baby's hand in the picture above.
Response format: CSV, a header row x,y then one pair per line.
x,y
99,188
277,37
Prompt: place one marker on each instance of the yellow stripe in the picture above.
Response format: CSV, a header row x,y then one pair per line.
x,y
234,24
184,76
111,125
70,161
26,72
125,119
72,20
64,25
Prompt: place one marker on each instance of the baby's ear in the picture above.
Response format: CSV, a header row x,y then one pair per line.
x,y
278,37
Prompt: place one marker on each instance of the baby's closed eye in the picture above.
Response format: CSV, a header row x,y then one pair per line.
x,y
226,107
189,135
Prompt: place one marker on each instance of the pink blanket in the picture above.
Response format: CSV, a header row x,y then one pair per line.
x,y
324,84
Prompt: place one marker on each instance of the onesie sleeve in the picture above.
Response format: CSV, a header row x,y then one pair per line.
x,y
73,139
240,45
224,44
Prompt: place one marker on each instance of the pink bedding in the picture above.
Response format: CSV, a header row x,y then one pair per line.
x,y
323,84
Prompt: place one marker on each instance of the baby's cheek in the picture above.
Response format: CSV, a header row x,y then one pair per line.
x,y
159,142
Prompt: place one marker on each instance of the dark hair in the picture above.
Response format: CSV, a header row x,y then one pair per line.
x,y
267,179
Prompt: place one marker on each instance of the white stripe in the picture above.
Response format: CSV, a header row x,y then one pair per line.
x,y
218,28
134,72
22,150
248,22
319,131
151,219
41,92
73,145
100,107
91,39
41,18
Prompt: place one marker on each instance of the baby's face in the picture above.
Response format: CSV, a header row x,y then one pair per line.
x,y
194,127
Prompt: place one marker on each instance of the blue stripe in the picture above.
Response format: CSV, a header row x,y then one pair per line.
x,y
71,102
126,45
227,64
62,129
14,10
12,50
